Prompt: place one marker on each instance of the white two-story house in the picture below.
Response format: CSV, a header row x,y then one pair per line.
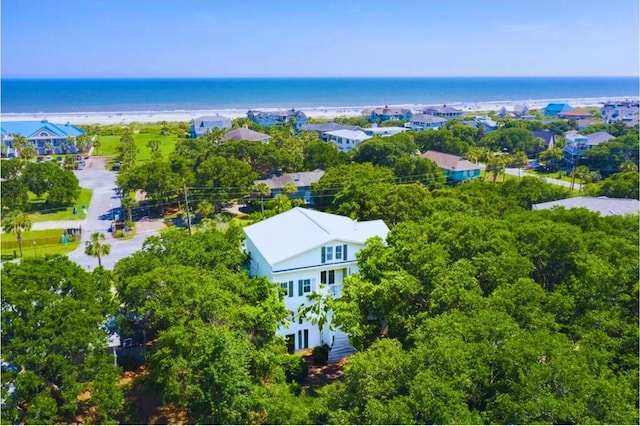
x,y
306,251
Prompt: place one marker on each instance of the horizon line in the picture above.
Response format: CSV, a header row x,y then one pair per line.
x,y
310,77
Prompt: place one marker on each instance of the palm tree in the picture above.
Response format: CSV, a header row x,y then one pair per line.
x,y
49,147
96,137
69,162
17,222
129,203
96,247
289,188
263,190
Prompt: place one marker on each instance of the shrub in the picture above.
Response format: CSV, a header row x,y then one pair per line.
x,y
321,354
295,368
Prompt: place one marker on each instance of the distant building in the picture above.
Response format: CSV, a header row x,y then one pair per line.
x,y
272,118
518,111
322,129
455,167
346,140
576,114
576,144
301,180
552,110
244,134
378,115
48,138
443,111
627,112
547,137
482,122
382,131
201,125
426,122
603,205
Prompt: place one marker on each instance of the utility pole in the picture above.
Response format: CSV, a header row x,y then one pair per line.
x,y
186,203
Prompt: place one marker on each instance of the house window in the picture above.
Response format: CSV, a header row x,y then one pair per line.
x,y
304,286
285,288
303,339
329,253
328,277
338,252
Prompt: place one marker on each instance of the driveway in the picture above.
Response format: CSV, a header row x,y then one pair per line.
x,y
104,205
520,172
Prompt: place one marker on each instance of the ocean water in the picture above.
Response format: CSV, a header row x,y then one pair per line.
x,y
127,95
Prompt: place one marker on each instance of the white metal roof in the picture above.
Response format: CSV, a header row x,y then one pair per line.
x,y
298,230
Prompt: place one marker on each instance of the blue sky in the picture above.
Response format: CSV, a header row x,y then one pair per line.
x,y
269,38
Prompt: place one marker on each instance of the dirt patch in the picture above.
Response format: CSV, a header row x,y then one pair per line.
x,y
144,405
320,375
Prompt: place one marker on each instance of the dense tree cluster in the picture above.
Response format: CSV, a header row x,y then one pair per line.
x,y
60,186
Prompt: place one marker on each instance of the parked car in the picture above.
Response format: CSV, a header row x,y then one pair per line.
x,y
49,158
40,159
115,167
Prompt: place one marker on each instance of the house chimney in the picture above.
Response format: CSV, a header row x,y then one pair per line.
x,y
355,224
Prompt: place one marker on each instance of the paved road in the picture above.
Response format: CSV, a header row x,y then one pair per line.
x,y
104,204
520,172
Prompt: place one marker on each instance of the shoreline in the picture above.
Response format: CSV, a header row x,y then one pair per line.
x,y
126,117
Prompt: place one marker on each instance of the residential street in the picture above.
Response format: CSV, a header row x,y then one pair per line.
x,y
104,203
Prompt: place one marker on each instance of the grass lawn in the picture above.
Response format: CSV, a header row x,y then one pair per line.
x,y
109,144
48,241
565,178
39,212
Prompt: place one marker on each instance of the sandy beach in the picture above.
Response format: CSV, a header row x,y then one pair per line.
x,y
102,118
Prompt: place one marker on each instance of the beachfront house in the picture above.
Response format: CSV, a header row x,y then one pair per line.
x,y
603,205
244,134
627,112
576,114
378,115
272,118
307,252
455,168
201,125
301,180
421,122
576,144
517,111
443,111
346,140
323,128
47,138
553,109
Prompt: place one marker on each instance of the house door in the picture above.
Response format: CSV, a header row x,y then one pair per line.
x,y
291,343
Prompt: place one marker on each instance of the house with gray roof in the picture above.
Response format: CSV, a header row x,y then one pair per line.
x,y
547,137
323,128
603,205
421,122
443,111
272,118
576,144
378,115
301,180
201,125
244,134
456,168
346,140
